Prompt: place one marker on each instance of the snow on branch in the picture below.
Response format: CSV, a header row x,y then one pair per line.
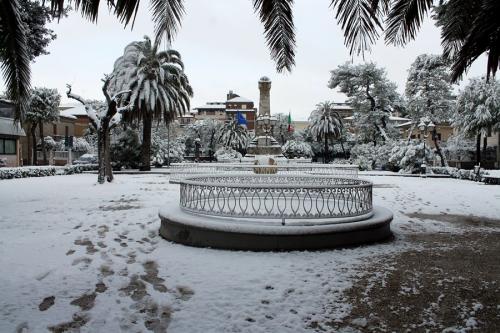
x,y
91,112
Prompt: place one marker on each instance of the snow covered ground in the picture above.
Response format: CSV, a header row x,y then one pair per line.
x,y
76,255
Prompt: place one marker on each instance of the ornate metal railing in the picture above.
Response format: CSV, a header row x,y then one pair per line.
x,y
179,171
276,196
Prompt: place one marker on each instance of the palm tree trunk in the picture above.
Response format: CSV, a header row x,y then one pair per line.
x,y
485,144
34,157
326,150
438,148
42,141
478,148
146,143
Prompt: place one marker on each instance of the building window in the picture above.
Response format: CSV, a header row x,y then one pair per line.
x,y
54,129
489,131
66,131
243,106
211,113
8,146
438,136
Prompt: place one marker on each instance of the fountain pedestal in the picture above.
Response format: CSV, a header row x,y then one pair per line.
x,y
264,143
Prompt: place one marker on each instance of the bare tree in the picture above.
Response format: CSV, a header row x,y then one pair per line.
x,y
103,117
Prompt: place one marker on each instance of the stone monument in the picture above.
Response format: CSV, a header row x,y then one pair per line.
x,y
264,143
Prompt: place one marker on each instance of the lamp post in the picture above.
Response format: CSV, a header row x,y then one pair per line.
x,y
426,126
197,145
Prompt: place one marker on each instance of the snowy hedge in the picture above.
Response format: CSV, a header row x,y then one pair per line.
x,y
226,154
394,155
458,173
296,149
44,171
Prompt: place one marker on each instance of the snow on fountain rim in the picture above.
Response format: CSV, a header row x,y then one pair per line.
x,y
192,180
378,216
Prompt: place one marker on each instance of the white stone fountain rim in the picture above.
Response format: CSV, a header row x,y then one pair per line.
x,y
192,180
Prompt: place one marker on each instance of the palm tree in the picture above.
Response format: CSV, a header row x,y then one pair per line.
x,y
469,30
477,110
159,87
14,56
43,108
234,135
325,123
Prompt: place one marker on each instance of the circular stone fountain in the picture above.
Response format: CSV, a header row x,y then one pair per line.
x,y
274,212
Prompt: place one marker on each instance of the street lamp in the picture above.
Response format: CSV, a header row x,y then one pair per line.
x,y
197,145
426,126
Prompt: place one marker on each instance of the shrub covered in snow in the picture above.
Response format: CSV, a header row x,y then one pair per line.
x,y
43,171
162,152
126,150
408,156
394,155
81,145
364,155
458,173
226,154
297,149
50,143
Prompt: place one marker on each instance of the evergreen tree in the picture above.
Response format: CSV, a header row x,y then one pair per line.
x,y
428,93
372,96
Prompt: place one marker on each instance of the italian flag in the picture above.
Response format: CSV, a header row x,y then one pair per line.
x,y
290,128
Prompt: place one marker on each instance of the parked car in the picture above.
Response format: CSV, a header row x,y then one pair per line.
x,y
86,159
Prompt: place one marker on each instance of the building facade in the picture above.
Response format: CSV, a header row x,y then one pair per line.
x,y
228,110
11,133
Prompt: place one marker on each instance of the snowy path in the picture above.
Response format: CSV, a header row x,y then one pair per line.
x,y
77,255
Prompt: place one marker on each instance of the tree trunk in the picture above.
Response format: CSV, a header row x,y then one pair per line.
x,y
326,151
34,156
101,144
498,149
107,156
343,150
146,143
478,148
438,148
42,141
412,128
485,144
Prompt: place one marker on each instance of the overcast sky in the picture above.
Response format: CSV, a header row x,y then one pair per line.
x,y
223,48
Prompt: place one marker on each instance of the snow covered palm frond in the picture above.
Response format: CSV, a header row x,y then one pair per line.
x,y
478,106
233,136
324,122
156,79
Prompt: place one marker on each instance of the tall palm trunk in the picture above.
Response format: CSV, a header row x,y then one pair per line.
x,y
485,144
42,141
438,148
326,150
34,157
146,143
478,148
